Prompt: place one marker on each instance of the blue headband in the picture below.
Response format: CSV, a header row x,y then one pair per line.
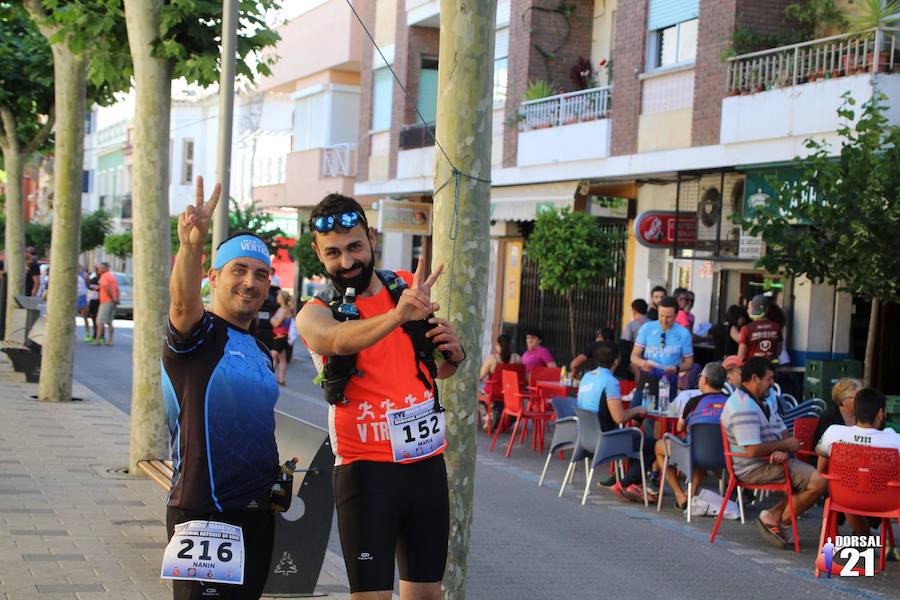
x,y
242,246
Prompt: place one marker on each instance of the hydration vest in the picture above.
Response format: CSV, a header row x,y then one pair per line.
x,y
338,370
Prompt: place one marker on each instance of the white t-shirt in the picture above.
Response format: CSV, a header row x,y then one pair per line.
x,y
682,399
852,434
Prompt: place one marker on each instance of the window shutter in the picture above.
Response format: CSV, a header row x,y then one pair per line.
x,y
665,13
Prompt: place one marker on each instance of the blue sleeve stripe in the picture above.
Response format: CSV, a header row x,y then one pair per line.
x,y
209,460
183,350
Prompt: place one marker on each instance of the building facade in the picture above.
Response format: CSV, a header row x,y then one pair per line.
x,y
653,123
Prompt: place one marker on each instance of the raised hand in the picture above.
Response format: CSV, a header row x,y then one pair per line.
x,y
194,222
415,302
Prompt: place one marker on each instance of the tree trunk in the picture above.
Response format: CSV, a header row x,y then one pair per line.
x,y
14,259
57,362
151,246
870,342
464,130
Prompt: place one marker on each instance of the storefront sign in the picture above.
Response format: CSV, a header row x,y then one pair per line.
x,y
750,246
657,229
759,190
609,207
404,217
512,281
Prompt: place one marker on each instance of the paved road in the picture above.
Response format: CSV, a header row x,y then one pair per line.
x,y
527,543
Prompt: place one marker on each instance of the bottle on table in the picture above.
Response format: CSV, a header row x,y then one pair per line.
x,y
664,394
648,398
562,376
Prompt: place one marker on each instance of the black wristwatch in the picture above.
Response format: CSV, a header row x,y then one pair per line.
x,y
459,362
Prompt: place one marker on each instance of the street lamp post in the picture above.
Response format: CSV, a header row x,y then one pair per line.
x,y
226,112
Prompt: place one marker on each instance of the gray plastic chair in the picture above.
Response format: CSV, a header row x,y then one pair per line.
x,y
701,450
565,432
601,447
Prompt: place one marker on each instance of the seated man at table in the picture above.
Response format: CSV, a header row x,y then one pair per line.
x,y
661,349
599,393
705,407
754,428
869,408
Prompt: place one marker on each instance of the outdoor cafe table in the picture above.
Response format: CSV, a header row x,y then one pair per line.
x,y
668,423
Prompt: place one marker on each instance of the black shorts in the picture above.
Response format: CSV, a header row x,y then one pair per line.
x,y
387,509
93,307
259,533
279,344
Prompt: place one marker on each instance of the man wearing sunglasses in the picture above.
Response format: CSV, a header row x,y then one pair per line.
x,y
661,349
390,482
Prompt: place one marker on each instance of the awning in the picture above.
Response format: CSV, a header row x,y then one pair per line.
x,y
524,202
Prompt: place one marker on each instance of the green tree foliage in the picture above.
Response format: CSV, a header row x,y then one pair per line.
x,y
119,244
570,250
846,236
94,228
39,236
308,264
190,32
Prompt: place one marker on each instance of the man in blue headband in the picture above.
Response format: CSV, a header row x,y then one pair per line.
x,y
219,390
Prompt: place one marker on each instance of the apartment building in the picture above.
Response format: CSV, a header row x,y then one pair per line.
x,y
663,131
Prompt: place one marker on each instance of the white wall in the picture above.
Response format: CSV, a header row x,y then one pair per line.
x,y
415,163
580,141
800,110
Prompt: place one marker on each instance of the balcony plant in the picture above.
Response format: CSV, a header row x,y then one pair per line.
x,y
872,14
538,89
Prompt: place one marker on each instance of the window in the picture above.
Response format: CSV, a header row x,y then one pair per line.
x,y
428,89
187,161
674,45
86,182
382,88
501,66
501,69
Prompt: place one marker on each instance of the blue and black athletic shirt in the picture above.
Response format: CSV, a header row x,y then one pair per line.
x,y
219,390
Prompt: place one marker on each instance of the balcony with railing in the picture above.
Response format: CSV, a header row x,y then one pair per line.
x,y
566,127
339,160
417,135
793,92
871,51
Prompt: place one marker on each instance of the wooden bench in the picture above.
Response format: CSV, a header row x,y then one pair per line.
x,y
160,471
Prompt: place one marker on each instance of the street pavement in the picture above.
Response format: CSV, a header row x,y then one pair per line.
x,y
526,542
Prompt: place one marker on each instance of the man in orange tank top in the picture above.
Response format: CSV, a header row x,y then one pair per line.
x,y
390,481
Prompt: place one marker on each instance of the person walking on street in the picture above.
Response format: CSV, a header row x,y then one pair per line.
x,y
81,298
32,272
662,349
109,298
281,326
386,422
93,302
219,390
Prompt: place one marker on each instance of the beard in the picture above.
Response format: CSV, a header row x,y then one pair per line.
x,y
359,282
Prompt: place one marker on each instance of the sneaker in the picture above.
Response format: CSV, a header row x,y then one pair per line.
x,y
619,491
608,483
99,342
89,339
636,493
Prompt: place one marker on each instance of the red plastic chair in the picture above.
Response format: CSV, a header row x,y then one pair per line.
x,y
493,391
626,386
514,406
734,482
543,374
805,431
864,481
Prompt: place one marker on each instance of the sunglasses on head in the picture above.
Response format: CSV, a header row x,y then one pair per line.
x,y
344,220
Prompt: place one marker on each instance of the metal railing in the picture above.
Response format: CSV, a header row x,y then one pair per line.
x,y
269,170
870,51
565,109
339,160
417,135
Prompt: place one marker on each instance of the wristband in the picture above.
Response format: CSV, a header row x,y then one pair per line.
x,y
459,362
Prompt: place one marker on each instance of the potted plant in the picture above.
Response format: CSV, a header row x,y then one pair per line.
x,y
871,15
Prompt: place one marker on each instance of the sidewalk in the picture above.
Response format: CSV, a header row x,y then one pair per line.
x,y
72,524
